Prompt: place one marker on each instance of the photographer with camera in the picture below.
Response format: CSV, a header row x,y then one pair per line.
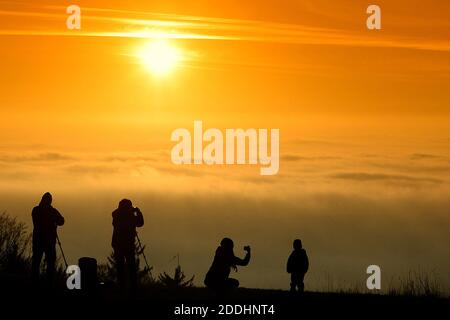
x,y
126,219
46,219
217,277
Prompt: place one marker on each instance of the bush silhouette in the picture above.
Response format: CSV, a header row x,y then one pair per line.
x,y
178,280
14,245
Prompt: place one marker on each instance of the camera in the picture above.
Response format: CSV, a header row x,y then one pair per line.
x,y
247,248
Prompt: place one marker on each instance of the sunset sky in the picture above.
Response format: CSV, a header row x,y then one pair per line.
x,y
363,118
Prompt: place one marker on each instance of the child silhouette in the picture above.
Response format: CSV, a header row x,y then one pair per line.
x,y
297,266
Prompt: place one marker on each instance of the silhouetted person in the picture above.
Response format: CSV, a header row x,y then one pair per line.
x,y
45,221
217,277
125,220
297,266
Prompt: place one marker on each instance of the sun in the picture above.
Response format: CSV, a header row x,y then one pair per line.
x,y
160,57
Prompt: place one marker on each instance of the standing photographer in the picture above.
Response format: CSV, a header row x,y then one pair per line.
x,y
45,221
125,220
217,277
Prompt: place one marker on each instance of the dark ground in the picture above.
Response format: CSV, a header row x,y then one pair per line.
x,y
160,303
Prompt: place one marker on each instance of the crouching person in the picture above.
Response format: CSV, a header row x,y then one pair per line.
x,y
217,277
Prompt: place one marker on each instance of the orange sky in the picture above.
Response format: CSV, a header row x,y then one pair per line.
x,y
310,68
295,59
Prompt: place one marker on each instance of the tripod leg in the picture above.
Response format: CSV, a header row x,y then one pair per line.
x,y
62,251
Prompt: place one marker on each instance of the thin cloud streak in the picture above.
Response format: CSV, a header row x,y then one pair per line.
x,y
173,26
364,176
135,35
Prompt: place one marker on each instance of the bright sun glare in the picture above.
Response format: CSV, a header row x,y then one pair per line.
x,y
159,56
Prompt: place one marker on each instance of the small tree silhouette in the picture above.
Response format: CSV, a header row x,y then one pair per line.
x,y
178,280
14,245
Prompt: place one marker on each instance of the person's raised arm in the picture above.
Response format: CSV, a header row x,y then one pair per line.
x,y
246,260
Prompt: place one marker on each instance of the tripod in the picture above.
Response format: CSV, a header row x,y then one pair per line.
x,y
141,251
62,251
